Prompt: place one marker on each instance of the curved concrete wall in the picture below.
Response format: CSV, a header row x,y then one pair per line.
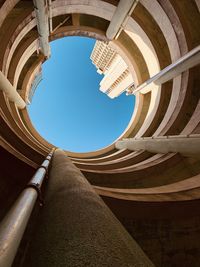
x,y
156,34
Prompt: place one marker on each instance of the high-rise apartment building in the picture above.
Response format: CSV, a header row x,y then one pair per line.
x,y
102,56
117,77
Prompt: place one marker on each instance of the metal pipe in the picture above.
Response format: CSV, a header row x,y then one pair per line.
x,y
14,224
123,10
188,146
184,63
10,92
41,12
50,16
60,24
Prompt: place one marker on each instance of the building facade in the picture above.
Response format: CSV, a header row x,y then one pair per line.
x,y
117,77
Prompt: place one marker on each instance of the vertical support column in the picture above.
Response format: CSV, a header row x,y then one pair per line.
x,y
188,146
76,228
11,92
120,17
41,12
189,60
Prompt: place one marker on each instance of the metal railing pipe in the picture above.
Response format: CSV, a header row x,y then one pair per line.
x,y
14,224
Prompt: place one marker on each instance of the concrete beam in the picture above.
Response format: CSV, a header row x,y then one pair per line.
x,y
41,12
185,145
123,10
184,63
10,92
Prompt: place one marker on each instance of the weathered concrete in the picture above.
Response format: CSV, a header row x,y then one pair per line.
x,y
42,26
119,19
76,228
185,145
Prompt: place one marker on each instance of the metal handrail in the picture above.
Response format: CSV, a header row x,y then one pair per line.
x,y
14,223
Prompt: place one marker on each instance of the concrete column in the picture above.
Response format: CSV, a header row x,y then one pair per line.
x,y
187,146
124,8
10,92
41,12
189,60
76,228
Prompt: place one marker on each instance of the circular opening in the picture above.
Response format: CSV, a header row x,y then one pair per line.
x,y
68,109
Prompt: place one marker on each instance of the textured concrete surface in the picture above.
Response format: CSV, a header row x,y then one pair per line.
x,y
171,243
76,228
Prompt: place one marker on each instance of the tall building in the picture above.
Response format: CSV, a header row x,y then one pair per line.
x,y
117,77
135,202
102,56
34,84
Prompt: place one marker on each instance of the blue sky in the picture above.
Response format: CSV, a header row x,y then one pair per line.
x,y
68,109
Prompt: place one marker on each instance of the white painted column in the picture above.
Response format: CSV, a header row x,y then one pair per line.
x,y
184,63
123,10
185,145
10,92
